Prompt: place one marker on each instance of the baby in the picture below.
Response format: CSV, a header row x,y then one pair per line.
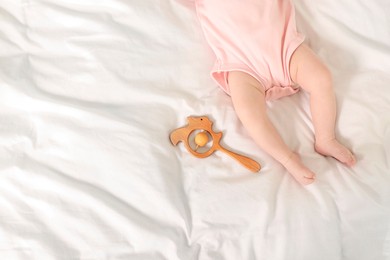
x,y
260,56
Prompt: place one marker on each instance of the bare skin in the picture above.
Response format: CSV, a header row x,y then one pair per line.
x,y
307,70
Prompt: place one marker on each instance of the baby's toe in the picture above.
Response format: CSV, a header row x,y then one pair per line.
x,y
307,181
351,161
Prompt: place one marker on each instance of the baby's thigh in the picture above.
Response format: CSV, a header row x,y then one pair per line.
x,y
239,79
306,68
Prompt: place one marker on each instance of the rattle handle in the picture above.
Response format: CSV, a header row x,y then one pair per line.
x,y
245,161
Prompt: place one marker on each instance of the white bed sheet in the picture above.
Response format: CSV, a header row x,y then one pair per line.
x,y
89,91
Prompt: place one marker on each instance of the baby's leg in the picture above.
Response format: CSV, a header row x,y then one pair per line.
x,y
249,102
311,74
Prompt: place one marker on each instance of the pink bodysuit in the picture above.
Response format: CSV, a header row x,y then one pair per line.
x,y
254,36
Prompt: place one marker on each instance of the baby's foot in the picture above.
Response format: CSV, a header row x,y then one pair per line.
x,y
336,150
299,171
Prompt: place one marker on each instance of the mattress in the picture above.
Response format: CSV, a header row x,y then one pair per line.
x,y
91,90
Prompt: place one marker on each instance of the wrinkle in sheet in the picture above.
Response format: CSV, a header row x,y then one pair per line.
x,y
89,91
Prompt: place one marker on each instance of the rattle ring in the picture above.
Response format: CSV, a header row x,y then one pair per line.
x,y
204,124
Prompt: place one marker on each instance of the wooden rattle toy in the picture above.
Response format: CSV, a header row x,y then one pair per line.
x,y
204,125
